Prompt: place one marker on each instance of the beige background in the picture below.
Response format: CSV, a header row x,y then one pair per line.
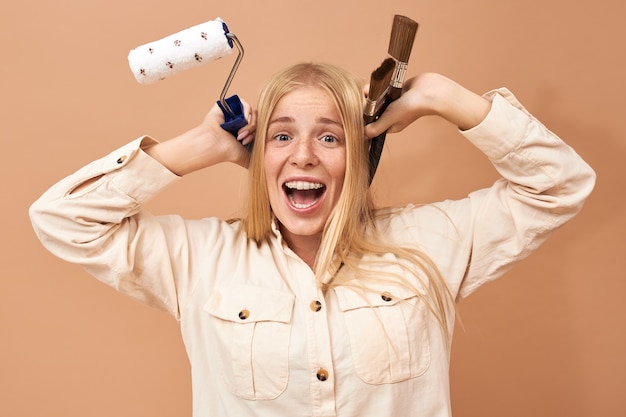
x,y
547,340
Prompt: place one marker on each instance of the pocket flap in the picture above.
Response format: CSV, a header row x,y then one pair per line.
x,y
245,304
375,295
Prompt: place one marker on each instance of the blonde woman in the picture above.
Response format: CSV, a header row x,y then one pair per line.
x,y
316,303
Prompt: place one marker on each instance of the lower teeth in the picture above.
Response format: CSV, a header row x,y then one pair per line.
x,y
302,206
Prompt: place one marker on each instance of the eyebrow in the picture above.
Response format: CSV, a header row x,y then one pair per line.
x,y
322,120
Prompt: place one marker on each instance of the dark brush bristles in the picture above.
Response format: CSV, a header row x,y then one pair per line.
x,y
380,79
402,37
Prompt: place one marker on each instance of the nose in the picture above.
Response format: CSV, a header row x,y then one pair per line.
x,y
303,153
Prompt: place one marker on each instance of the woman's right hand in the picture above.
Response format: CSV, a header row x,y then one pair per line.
x,y
207,144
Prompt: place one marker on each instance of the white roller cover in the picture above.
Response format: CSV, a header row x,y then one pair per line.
x,y
186,49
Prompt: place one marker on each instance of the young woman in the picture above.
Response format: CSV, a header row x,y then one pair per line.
x,y
316,303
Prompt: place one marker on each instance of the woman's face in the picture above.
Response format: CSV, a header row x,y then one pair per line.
x,y
305,160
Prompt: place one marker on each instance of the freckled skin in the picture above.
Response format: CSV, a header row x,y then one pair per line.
x,y
305,142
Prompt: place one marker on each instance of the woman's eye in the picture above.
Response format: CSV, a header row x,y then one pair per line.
x,y
281,137
329,139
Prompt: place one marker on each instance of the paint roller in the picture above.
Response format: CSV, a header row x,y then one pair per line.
x,y
190,48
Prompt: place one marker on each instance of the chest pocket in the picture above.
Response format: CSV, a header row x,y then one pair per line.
x,y
388,329
253,328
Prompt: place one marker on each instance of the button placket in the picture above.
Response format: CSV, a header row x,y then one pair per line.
x,y
318,335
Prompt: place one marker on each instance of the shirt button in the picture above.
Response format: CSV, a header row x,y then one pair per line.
x,y
244,314
315,306
386,296
322,374
121,159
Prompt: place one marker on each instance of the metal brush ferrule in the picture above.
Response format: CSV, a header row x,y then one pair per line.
x,y
374,108
370,107
399,74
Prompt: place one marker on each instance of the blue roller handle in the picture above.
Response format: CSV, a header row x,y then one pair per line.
x,y
237,120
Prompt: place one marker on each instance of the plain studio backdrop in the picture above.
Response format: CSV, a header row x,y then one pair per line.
x,y
548,339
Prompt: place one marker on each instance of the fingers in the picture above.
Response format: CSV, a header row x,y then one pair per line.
x,y
373,129
246,134
391,121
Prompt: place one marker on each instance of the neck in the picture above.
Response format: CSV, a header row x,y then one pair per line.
x,y
306,247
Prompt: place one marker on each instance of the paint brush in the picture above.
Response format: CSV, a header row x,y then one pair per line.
x,y
400,45
401,41
378,90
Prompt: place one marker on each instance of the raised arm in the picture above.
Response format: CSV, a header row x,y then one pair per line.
x,y
94,217
543,183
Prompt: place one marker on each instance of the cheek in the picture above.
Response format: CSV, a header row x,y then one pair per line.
x,y
271,167
339,170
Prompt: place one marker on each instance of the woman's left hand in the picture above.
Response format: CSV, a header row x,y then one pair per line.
x,y
431,94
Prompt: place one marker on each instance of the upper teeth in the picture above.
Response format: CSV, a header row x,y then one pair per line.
x,y
303,185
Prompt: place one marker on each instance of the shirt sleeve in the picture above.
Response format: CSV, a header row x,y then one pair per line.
x,y
543,184
101,226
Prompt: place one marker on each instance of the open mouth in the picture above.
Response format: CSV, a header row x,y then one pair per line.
x,y
303,194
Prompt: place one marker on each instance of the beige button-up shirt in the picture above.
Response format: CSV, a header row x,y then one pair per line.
x,y
262,339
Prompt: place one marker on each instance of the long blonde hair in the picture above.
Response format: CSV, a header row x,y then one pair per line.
x,y
350,231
